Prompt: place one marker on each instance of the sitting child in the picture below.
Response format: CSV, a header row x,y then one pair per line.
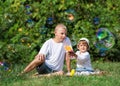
x,y
83,59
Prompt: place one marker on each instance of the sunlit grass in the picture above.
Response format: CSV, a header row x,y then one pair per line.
x,y
111,78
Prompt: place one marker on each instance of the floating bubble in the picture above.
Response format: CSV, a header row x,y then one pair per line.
x,y
29,23
106,40
102,52
100,46
96,20
28,9
4,66
49,21
70,15
43,30
102,33
106,43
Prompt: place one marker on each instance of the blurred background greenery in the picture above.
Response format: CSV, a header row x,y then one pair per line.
x,y
26,24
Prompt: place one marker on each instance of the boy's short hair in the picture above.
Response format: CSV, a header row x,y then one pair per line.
x,y
61,26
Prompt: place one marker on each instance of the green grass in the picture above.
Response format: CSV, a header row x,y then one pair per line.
x,y
112,78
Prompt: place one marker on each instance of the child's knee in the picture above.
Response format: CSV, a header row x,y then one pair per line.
x,y
37,61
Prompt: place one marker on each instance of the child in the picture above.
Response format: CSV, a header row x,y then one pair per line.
x,y
51,55
83,58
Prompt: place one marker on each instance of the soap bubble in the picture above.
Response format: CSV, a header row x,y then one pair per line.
x,y
96,20
70,15
102,33
105,43
101,47
43,30
4,66
29,23
49,21
106,40
28,9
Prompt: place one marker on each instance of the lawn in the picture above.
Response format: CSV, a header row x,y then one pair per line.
x,y
111,78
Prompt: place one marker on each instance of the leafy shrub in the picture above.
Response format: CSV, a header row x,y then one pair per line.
x,y
26,24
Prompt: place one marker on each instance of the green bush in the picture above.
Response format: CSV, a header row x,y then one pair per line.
x,y
26,24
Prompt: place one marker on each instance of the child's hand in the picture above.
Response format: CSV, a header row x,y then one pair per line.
x,y
71,53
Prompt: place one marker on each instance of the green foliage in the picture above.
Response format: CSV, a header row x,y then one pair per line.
x,y
23,25
17,53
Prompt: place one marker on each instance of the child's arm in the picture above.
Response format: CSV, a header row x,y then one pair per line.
x,y
68,62
69,54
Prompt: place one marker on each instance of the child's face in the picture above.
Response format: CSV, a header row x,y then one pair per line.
x,y
83,46
60,34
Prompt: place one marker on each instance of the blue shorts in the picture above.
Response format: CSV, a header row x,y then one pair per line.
x,y
43,69
84,69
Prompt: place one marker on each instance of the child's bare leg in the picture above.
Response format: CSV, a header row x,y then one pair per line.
x,y
59,73
32,65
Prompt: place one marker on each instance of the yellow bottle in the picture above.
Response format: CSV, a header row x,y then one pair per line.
x,y
72,72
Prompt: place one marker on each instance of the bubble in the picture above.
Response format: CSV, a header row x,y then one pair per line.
x,y
102,52
28,9
100,46
43,30
106,40
70,15
102,33
29,23
49,21
4,66
106,43
96,20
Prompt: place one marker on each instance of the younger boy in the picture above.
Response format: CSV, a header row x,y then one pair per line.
x,y
83,58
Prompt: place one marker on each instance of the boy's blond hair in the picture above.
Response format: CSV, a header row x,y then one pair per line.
x,y
60,26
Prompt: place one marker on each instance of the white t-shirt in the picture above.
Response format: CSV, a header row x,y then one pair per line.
x,y
83,60
54,53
